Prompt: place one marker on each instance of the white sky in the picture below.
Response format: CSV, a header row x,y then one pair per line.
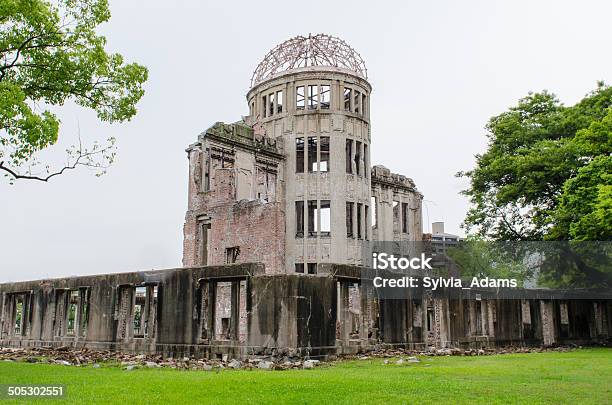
x,y
439,70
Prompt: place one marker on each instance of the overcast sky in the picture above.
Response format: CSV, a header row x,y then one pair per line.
x,y
439,70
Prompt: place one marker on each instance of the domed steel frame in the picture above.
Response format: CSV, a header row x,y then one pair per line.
x,y
317,50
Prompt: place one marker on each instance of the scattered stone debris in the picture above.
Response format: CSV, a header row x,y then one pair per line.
x,y
310,363
85,357
265,365
409,356
235,364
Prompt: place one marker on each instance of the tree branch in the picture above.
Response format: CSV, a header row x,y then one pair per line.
x,y
508,226
83,158
29,177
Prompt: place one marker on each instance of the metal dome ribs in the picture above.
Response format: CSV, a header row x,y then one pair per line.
x,y
314,50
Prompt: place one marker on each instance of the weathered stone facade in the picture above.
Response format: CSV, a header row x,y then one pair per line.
x,y
240,310
235,210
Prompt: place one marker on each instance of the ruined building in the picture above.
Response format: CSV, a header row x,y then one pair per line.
x,y
282,204
291,185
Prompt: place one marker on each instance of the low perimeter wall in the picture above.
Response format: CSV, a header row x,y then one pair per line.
x,y
239,311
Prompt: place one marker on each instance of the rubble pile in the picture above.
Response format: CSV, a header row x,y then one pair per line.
x,y
431,351
84,357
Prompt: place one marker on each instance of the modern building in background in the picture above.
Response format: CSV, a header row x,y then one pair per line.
x,y
440,240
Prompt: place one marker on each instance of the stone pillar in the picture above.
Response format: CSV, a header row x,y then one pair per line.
x,y
443,322
3,315
484,317
472,317
491,318
365,317
343,312
548,324
235,311
207,311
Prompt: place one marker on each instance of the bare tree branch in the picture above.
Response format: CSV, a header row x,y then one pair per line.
x,y
82,157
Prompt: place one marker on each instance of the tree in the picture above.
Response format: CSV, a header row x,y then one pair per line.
x,y
476,257
50,54
546,172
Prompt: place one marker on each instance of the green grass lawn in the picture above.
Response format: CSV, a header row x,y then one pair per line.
x,y
577,377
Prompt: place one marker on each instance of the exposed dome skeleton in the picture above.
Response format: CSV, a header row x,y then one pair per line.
x,y
317,50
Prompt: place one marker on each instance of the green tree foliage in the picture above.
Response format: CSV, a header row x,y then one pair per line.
x,y
50,54
476,257
546,172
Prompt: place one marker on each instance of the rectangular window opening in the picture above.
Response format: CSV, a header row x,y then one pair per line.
x,y
299,267
396,217
204,241
357,102
364,105
350,206
19,318
349,156
374,211
312,225
365,220
325,97
299,155
312,154
299,98
325,218
73,302
430,319
365,160
359,226
279,102
324,162
271,104
299,219
347,99
225,328
264,102
312,268
358,158
139,311
313,97
404,217
232,254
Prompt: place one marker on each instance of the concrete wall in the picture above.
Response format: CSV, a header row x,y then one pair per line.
x,y
240,310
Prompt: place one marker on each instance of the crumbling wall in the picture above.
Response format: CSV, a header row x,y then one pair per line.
x,y
255,227
398,207
235,200
334,311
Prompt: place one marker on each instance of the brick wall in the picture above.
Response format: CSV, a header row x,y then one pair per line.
x,y
255,227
